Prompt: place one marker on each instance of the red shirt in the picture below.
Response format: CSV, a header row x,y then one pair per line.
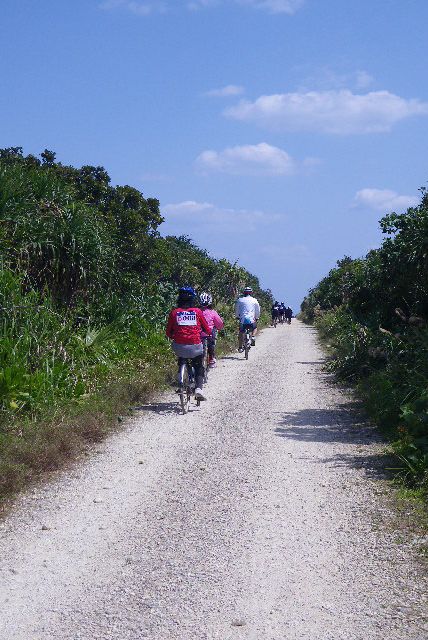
x,y
185,325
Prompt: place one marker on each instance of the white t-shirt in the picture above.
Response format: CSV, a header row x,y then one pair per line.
x,y
247,308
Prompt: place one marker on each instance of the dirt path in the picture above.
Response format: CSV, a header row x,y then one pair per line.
x,y
253,518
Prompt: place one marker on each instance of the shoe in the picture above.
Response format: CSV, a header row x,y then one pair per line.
x,y
241,350
199,395
212,362
253,342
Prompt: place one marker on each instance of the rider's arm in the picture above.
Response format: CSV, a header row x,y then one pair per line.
x,y
170,325
237,310
257,310
218,320
204,324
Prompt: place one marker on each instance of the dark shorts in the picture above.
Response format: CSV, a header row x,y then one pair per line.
x,y
251,326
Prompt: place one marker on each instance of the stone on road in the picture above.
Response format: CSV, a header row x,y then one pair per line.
x,y
255,516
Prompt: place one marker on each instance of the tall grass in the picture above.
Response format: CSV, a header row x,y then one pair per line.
x,y
373,312
86,283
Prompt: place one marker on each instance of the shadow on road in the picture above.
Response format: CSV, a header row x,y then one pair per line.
x,y
231,358
375,465
343,424
162,408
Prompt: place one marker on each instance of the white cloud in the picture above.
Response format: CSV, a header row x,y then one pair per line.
x,y
254,160
275,6
384,200
336,112
311,162
200,4
138,7
221,219
147,7
326,78
363,79
224,92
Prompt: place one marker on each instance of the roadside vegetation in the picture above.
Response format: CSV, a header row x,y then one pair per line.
x,y
86,283
372,313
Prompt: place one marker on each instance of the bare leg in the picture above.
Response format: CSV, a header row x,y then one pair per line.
x,y
240,339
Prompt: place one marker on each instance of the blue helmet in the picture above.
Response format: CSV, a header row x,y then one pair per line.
x,y
186,293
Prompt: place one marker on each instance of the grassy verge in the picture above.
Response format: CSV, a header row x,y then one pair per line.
x,y
42,441
33,445
389,375
405,511
86,283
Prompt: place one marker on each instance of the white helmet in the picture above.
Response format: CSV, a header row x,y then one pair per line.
x,y
206,299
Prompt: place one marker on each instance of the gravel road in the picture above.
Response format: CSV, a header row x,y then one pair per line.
x,y
260,516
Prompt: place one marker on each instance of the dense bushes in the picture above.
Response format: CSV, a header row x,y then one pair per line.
x,y
373,312
86,282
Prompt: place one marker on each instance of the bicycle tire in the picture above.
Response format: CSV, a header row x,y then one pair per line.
x,y
205,361
184,387
247,346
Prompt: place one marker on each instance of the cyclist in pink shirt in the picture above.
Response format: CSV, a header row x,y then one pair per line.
x,y
215,323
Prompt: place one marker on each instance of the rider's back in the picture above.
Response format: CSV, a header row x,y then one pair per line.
x,y
247,307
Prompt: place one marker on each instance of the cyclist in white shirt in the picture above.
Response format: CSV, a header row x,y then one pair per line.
x,y
247,311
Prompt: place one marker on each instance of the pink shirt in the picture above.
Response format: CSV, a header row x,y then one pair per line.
x,y
213,320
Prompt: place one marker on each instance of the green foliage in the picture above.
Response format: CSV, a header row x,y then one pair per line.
x,y
86,283
374,313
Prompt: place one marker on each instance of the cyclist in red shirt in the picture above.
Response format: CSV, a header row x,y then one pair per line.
x,y
184,327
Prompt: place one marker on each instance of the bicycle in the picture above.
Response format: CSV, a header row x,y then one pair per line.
x,y
205,359
274,321
248,332
186,383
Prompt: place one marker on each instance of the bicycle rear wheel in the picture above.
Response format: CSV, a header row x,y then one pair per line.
x,y
247,344
184,387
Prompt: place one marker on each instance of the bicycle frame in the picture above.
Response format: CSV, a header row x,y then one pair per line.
x,y
186,383
205,359
247,340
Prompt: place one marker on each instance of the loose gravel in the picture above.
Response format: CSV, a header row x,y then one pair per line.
x,y
259,516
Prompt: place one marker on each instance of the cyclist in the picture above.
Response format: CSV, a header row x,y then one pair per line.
x,y
247,311
184,327
288,314
275,311
282,309
215,323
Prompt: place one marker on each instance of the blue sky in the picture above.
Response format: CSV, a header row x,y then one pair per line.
x,y
275,132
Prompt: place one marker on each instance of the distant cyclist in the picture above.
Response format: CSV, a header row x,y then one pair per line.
x,y
215,323
184,327
288,314
282,309
275,312
247,311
